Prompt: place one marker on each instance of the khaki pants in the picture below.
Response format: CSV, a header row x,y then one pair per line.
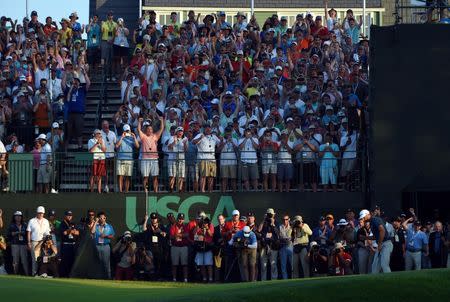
x,y
35,251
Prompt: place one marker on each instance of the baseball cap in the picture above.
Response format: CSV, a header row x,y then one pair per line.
x,y
338,245
247,231
40,209
153,215
42,136
298,218
289,119
417,222
239,52
18,213
180,216
215,101
22,78
68,213
328,107
270,211
278,67
51,213
322,218
235,212
97,131
55,125
127,234
250,214
313,243
126,127
342,222
201,214
363,213
179,129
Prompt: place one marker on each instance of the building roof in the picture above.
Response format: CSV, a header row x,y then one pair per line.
x,y
219,4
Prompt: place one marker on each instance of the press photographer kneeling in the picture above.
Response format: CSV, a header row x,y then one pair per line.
x,y
245,244
124,255
48,259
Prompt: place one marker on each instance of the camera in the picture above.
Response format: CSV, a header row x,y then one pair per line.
x,y
204,222
315,249
126,240
297,224
47,238
240,243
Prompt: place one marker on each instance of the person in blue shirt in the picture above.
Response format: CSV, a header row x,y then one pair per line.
x,y
125,148
329,153
416,244
75,99
103,233
245,242
321,233
93,42
382,256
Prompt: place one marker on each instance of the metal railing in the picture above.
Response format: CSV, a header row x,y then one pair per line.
x,y
418,14
73,174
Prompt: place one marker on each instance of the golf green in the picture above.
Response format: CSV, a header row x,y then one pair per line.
x,y
429,285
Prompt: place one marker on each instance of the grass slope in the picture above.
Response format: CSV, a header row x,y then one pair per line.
x,y
431,285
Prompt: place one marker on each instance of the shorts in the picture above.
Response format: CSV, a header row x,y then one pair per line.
x,y
249,171
75,125
328,175
310,172
149,167
124,167
179,255
99,167
106,51
204,258
208,168
228,171
348,165
120,51
93,55
193,172
284,172
177,168
269,168
43,174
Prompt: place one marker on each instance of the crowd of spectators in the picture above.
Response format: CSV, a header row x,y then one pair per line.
x,y
240,248
201,98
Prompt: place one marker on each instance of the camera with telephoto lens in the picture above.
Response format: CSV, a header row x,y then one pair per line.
x,y
204,222
297,224
126,240
240,243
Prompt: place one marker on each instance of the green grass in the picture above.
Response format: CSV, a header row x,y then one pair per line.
x,y
423,286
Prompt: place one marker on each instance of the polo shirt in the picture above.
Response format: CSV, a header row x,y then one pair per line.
x,y
252,242
45,152
176,229
375,222
415,240
77,100
38,228
206,146
125,151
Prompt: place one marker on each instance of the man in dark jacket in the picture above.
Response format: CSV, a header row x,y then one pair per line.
x,y
438,251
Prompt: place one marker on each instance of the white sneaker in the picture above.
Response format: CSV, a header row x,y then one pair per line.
x,y
106,189
53,191
113,79
44,275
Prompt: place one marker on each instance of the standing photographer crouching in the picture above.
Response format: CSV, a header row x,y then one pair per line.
x,y
245,243
124,254
48,259
300,240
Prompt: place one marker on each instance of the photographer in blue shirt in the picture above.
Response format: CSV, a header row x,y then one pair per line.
x,y
103,234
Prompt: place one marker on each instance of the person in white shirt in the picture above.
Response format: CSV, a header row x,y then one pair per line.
x,y
249,160
348,146
3,170
38,228
228,161
45,165
54,84
97,146
206,144
269,149
177,144
285,167
110,140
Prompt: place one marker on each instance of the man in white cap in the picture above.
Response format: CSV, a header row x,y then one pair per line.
x,y
177,146
300,234
45,165
245,242
125,146
110,140
382,255
38,228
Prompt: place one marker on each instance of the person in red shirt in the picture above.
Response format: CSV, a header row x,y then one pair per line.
x,y
341,260
202,235
318,30
49,27
232,226
179,237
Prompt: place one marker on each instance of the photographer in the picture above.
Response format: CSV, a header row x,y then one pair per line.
x,y
155,240
270,245
144,264
203,240
341,261
300,239
17,239
286,246
318,260
69,238
218,249
124,254
103,233
179,235
245,243
48,259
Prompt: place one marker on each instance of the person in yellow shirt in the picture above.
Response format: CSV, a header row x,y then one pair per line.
x,y
65,33
109,28
300,240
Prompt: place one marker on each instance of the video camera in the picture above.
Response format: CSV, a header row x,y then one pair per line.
x,y
241,243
